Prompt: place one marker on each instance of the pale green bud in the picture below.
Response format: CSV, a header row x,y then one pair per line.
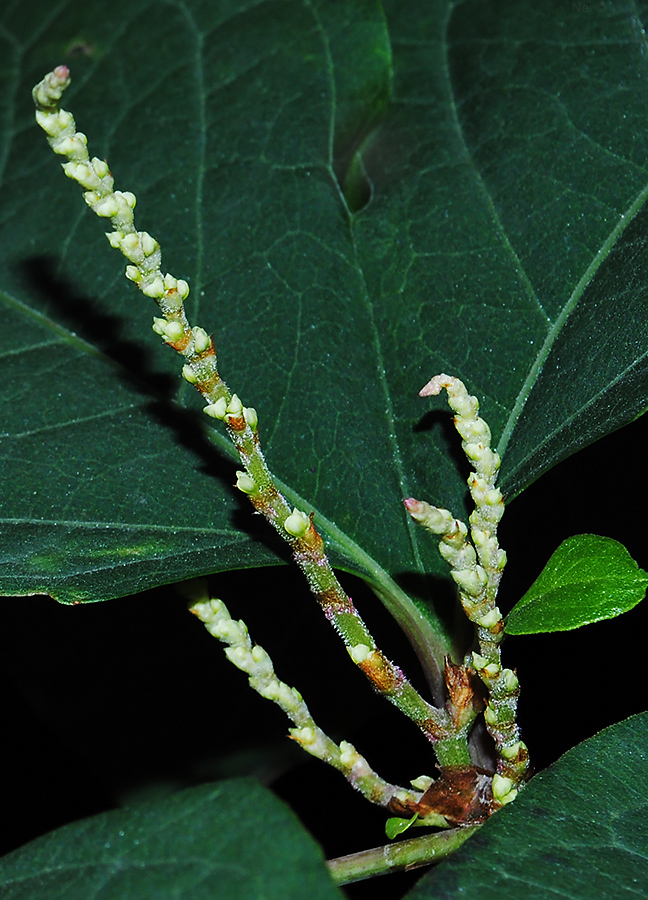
x,y
422,783
501,787
106,208
490,716
235,407
202,340
130,242
241,658
436,520
259,654
359,653
81,172
129,197
474,430
51,123
250,416
245,483
149,244
217,410
492,670
73,146
471,581
100,166
348,754
508,798
479,662
189,375
174,331
305,736
297,523
133,274
115,239
512,751
64,119
490,619
154,288
510,680
170,282
183,288
264,667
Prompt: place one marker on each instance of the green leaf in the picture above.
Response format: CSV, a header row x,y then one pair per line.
x,y
504,235
578,830
587,579
395,826
231,839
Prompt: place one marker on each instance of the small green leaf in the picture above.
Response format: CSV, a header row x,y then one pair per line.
x,y
396,826
231,839
587,579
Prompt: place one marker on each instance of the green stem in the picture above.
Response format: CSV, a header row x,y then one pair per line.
x,y
397,857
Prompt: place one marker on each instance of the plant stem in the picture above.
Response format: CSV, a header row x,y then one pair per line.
x,y
409,854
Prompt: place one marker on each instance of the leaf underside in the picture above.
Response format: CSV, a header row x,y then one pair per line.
x,y
505,149
232,839
578,830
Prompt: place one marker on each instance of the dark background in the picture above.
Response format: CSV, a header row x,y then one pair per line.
x,y
106,704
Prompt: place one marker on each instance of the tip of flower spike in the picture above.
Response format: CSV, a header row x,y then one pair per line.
x,y
435,385
49,91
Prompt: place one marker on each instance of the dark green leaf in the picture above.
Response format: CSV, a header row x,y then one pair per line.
x,y
503,243
579,830
232,839
587,579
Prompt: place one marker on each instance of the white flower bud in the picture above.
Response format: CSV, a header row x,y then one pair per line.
x,y
479,662
359,653
189,375
129,197
490,619
348,754
297,523
183,288
241,658
217,410
115,239
245,483
106,208
250,416
471,581
235,407
512,751
154,289
510,680
149,244
501,787
202,340
100,166
134,274
422,783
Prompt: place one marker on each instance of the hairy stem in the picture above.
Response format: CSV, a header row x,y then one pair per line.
x,y
197,348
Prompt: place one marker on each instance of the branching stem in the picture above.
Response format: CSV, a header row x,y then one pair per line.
x,y
197,348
